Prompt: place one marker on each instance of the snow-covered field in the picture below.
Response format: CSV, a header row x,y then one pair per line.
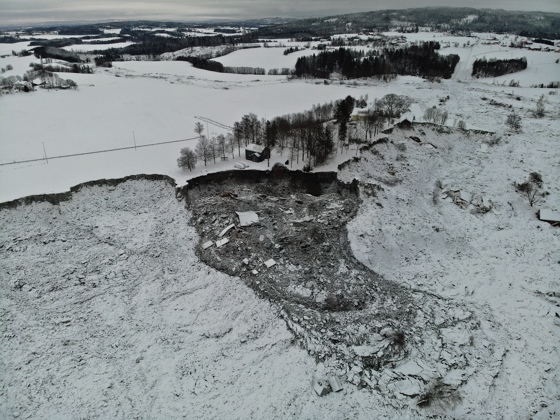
x,y
107,311
267,58
93,47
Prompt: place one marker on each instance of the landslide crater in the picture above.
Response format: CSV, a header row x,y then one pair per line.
x,y
357,323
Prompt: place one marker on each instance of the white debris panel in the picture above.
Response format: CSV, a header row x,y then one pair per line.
x,y
549,215
222,242
247,218
226,230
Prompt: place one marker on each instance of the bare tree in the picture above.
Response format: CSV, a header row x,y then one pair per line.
x,y
431,114
513,121
71,83
203,149
187,160
436,115
532,188
198,129
393,106
230,144
238,136
214,148
379,124
539,112
221,144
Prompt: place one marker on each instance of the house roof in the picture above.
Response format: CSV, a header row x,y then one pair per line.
x,y
258,148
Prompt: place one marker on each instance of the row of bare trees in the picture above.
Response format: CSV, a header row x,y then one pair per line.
x,y
206,149
308,136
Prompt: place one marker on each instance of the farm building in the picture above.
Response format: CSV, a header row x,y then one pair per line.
x,y
257,152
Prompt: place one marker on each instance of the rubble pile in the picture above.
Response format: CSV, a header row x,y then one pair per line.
x,y
294,252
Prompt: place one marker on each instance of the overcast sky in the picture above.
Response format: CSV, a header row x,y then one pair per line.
x,y
16,12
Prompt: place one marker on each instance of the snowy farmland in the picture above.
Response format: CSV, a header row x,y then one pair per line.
x,y
267,58
109,310
87,47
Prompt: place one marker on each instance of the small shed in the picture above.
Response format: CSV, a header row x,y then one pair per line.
x,y
257,152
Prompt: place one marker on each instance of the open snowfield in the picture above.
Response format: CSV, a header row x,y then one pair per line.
x,y
17,47
149,102
108,312
267,58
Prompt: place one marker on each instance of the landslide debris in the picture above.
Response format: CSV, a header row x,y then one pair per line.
x,y
373,332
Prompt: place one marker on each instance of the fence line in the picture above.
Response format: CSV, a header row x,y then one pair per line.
x,y
98,151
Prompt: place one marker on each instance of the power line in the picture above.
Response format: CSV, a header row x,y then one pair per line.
x,y
216,123
98,151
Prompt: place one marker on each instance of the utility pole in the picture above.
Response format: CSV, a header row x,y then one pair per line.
x,y
134,138
45,152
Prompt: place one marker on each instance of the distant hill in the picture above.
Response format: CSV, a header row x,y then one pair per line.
x,y
78,28
530,24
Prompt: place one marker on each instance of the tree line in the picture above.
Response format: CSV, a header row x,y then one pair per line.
x,y
148,44
310,136
54,67
422,60
56,53
494,67
531,24
216,66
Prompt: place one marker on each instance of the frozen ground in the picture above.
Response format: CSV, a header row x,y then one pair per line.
x,y
109,313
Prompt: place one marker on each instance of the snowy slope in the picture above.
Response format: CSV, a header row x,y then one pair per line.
x,y
503,264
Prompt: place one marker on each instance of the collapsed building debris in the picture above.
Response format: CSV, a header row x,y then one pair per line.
x,y
222,242
226,230
336,384
552,217
247,218
321,387
269,263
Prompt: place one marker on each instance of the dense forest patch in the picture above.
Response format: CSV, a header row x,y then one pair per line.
x,y
494,67
422,60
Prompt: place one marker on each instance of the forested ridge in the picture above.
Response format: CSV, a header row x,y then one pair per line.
x,y
453,19
155,45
